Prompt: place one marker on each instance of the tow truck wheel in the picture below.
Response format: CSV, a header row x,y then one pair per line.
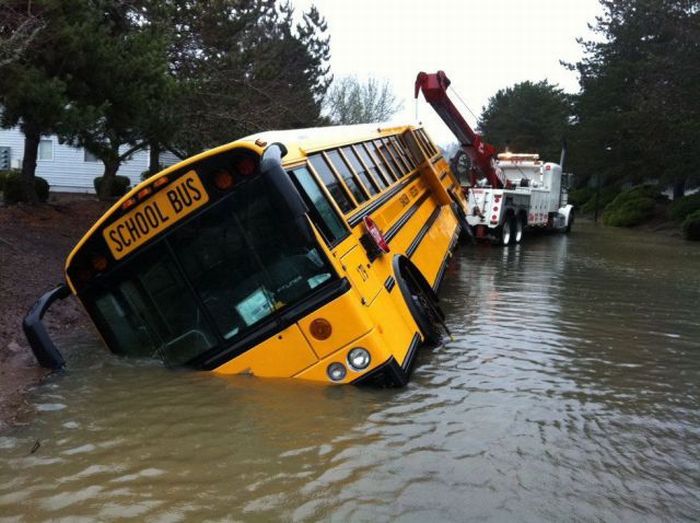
x,y
571,222
504,233
518,226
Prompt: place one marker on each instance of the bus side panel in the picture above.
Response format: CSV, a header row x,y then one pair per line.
x,y
282,355
431,253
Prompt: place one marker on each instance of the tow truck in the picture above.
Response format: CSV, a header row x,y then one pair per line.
x,y
507,193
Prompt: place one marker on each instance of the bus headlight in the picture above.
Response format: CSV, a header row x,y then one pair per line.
x,y
359,358
336,371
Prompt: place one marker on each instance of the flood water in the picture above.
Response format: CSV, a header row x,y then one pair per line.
x,y
570,393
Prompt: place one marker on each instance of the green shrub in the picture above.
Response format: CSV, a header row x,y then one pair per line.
x,y
119,186
3,176
632,207
578,197
691,226
682,207
13,191
606,196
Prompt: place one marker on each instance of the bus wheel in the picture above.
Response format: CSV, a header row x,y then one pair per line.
x,y
518,235
421,302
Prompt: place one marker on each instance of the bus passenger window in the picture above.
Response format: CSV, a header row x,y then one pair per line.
x,y
374,168
331,182
342,169
388,175
323,215
400,154
397,161
362,173
406,151
389,163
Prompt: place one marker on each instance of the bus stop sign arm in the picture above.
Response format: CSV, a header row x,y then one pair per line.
x,y
482,154
39,340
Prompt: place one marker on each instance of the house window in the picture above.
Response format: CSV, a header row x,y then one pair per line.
x,y
89,157
45,150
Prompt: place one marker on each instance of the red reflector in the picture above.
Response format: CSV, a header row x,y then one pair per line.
x,y
494,218
223,180
144,192
160,182
246,167
99,263
128,204
321,329
495,209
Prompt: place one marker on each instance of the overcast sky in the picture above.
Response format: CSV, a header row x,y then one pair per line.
x,y
482,45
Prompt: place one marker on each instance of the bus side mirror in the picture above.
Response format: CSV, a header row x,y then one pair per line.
x,y
283,193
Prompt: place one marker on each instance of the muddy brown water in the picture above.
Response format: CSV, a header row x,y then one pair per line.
x,y
571,392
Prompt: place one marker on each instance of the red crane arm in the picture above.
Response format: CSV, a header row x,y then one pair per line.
x,y
482,154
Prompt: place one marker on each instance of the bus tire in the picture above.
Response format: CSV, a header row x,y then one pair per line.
x,y
420,299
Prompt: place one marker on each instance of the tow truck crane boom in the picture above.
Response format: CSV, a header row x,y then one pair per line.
x,y
481,153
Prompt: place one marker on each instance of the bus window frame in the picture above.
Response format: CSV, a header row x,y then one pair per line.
x,y
387,162
326,155
398,147
417,144
395,154
409,153
313,171
380,174
367,171
369,145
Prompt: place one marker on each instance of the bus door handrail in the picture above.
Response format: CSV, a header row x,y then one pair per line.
x,y
44,349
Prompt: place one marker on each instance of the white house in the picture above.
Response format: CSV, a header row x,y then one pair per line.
x,y
71,169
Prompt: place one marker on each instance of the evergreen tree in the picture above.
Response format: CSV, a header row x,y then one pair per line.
x,y
527,117
638,113
245,67
119,107
36,85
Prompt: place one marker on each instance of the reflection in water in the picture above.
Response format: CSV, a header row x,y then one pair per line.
x,y
570,392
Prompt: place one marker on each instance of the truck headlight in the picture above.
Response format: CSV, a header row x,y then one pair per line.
x,y
359,358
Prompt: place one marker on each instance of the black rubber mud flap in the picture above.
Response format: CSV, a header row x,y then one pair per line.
x,y
39,340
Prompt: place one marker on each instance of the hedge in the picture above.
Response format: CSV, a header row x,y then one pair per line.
x,y
632,207
13,191
691,226
682,207
4,175
606,196
119,186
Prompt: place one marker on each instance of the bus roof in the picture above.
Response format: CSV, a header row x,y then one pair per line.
x,y
300,142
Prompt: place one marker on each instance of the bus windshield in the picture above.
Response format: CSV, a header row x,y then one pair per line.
x,y
217,276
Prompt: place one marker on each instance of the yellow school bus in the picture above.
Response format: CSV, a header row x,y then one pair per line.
x,y
314,254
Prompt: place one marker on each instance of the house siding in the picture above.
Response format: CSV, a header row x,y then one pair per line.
x,y
68,171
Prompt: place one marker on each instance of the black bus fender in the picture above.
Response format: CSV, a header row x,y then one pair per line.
x,y
43,347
